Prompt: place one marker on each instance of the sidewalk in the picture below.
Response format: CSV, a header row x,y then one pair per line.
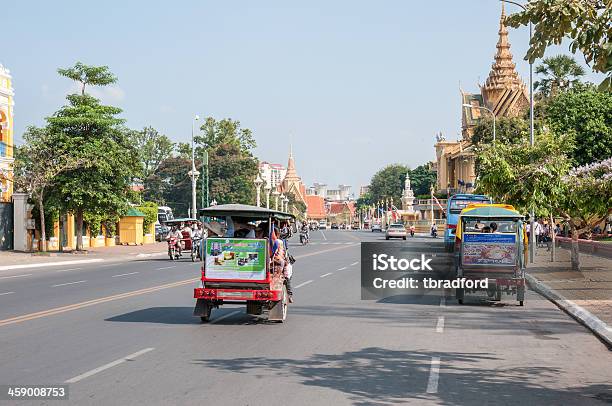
x,y
116,253
590,289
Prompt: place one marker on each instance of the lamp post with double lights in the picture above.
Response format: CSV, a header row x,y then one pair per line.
x,y
531,134
258,182
267,190
275,193
286,201
193,172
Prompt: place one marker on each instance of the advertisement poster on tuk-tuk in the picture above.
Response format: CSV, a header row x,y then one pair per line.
x,y
235,258
489,249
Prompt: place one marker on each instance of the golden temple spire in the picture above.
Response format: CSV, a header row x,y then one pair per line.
x,y
503,75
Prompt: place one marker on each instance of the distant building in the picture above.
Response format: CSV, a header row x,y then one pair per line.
x,y
364,190
504,93
272,174
315,207
292,183
6,135
320,189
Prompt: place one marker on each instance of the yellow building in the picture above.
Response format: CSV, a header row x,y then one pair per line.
x,y
6,135
504,93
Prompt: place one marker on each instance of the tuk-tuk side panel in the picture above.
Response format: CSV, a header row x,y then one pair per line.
x,y
236,260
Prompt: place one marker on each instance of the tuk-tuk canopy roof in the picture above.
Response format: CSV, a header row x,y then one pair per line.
x,y
490,210
181,220
244,210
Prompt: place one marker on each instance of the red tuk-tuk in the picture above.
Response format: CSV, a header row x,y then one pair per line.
x,y
240,270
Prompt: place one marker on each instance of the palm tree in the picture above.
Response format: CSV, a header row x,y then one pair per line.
x,y
560,73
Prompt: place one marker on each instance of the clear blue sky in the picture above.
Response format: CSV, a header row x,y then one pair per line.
x,y
354,84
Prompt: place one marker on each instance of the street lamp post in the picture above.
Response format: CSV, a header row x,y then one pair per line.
x,y
258,182
193,173
267,190
487,109
275,193
531,133
286,200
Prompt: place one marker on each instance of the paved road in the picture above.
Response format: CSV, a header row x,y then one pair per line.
x,y
124,334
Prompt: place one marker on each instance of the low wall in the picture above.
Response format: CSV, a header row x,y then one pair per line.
x,y
600,249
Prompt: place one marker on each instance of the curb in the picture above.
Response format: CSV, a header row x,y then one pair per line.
x,y
583,316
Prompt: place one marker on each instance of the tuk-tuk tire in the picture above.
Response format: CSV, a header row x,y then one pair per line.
x,y
520,303
460,301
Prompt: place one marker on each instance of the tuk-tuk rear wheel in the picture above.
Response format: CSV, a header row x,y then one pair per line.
x,y
520,303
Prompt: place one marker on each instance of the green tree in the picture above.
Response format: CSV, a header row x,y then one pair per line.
x,y
527,177
588,23
153,148
296,207
89,131
388,183
231,164
231,173
225,131
37,165
88,75
559,73
586,115
507,130
149,209
422,178
588,201
170,185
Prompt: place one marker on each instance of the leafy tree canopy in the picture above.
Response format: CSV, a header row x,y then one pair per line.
x,y
422,178
585,114
153,148
558,73
88,75
388,183
588,23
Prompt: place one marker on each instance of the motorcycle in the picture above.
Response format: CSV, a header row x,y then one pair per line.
x,y
174,251
195,249
434,232
304,238
412,232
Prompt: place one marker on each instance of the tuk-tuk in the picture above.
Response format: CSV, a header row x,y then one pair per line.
x,y
240,270
490,242
186,241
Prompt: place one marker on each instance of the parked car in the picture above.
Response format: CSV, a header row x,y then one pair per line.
x,y
355,225
377,227
334,226
396,231
322,225
161,231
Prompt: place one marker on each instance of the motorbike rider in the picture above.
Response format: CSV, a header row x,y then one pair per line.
x,y
304,231
412,230
175,233
434,230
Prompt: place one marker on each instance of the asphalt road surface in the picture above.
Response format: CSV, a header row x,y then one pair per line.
x,y
123,334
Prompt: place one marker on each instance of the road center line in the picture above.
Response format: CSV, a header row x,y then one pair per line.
x,y
324,237
66,284
354,263
69,269
109,365
325,274
343,268
76,306
440,325
124,274
15,276
434,374
6,293
225,316
303,284
165,267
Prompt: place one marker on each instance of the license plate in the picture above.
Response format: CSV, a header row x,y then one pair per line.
x,y
235,294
